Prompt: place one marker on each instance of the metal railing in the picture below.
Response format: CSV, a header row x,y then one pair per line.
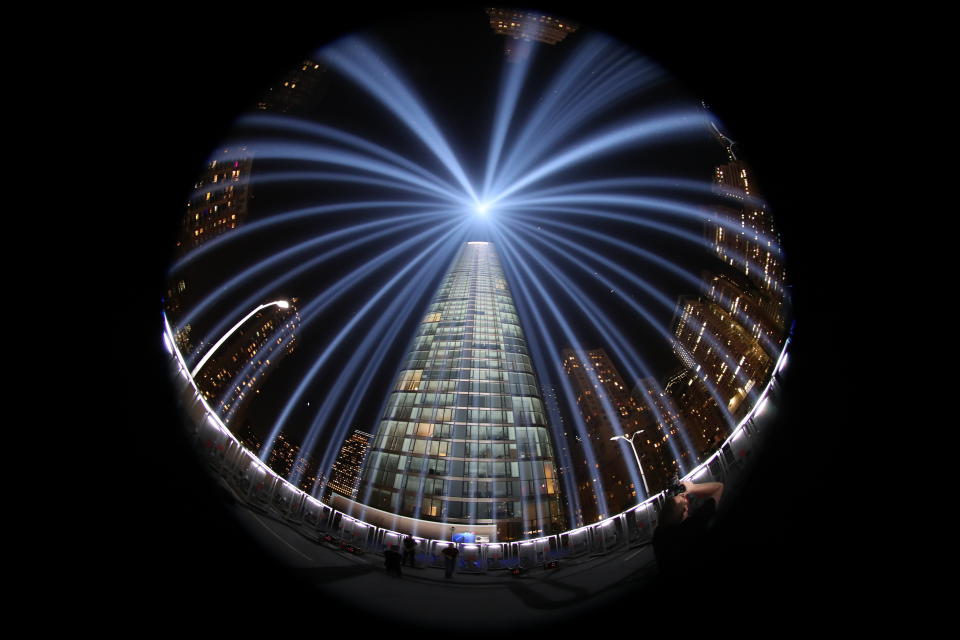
x,y
260,488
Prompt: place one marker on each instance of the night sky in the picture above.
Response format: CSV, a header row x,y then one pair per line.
x,y
778,89
455,62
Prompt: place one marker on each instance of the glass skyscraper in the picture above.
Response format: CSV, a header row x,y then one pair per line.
x,y
464,436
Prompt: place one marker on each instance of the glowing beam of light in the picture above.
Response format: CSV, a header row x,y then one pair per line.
x,y
688,277
280,303
645,131
653,292
555,422
613,337
739,197
260,363
640,309
334,344
562,123
385,332
638,203
290,274
357,60
606,327
385,329
251,228
510,89
538,133
537,214
746,322
637,368
277,149
343,285
542,215
515,275
278,177
322,131
279,257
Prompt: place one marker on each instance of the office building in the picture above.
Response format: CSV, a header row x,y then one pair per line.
x,y
298,92
345,474
219,200
604,398
697,412
464,439
744,236
523,28
529,25
749,308
235,373
710,342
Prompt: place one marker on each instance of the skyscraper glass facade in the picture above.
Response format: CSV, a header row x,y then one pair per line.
x,y
464,436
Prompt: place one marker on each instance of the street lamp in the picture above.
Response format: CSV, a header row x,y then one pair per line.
x,y
634,447
283,304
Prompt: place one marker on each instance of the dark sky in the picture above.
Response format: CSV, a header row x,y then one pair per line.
x,y
791,91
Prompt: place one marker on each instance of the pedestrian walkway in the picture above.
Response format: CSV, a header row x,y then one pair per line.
x,y
479,601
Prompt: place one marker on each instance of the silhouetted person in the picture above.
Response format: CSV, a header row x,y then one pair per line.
x,y
680,542
449,559
391,560
409,550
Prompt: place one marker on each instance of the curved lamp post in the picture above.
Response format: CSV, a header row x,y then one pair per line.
x,y
283,304
629,439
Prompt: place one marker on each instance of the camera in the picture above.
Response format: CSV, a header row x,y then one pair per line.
x,y
675,488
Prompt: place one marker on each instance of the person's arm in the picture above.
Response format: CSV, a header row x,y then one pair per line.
x,y
704,490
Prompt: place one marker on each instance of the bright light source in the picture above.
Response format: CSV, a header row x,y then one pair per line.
x,y
761,407
482,208
283,304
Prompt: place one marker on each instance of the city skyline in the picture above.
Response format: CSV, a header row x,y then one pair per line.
x,y
312,421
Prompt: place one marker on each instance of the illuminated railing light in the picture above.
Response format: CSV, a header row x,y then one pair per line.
x,y
761,406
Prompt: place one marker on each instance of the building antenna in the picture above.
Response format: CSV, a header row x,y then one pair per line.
x,y
724,140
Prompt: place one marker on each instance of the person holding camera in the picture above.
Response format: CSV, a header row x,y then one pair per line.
x,y
681,542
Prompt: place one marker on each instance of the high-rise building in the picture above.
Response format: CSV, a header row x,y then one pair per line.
x,y
668,430
755,312
698,412
218,203
345,474
729,338
529,25
744,236
464,438
297,92
287,460
551,402
173,305
603,396
233,376
523,28
710,341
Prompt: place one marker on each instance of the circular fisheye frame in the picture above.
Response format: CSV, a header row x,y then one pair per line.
x,y
484,300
